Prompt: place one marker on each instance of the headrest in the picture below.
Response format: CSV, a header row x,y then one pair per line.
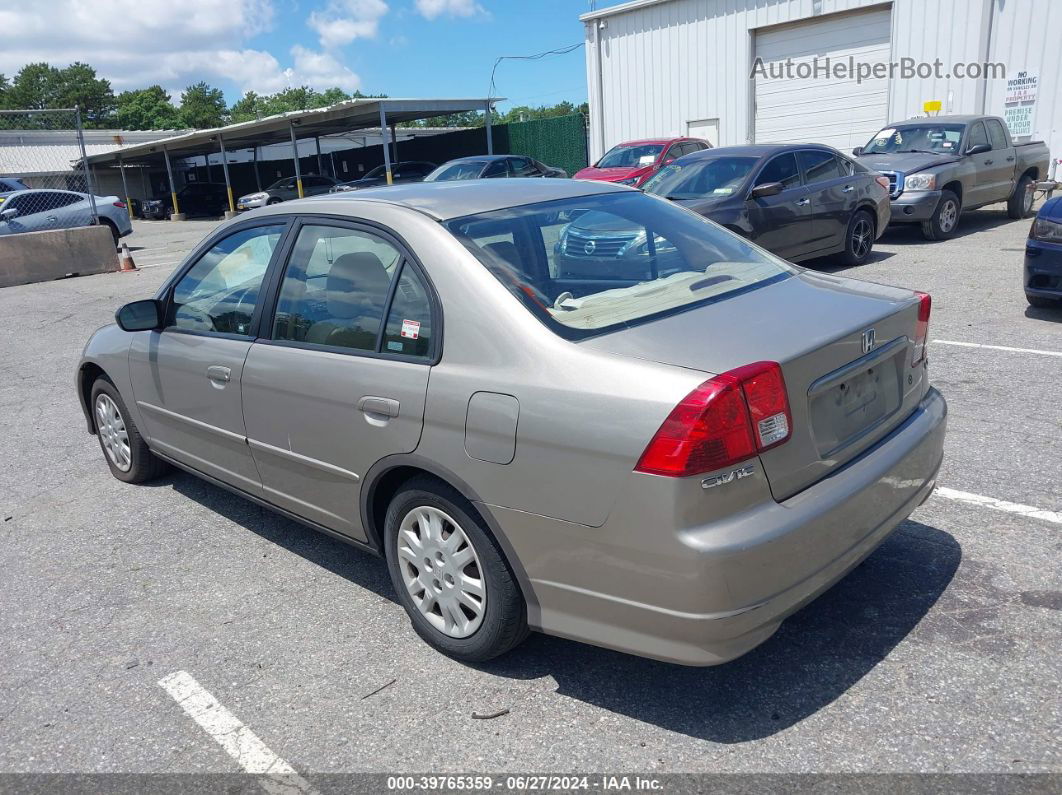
x,y
357,286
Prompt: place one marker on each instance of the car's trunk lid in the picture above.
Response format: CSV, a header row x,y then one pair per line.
x,y
843,399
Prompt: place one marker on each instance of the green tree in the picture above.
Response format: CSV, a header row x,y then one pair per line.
x,y
5,88
147,109
78,86
202,106
35,87
256,106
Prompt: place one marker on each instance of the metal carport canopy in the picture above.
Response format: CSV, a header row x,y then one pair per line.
x,y
339,118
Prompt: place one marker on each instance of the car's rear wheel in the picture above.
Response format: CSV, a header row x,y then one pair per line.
x,y
859,240
945,218
1040,302
1020,203
114,230
450,576
124,449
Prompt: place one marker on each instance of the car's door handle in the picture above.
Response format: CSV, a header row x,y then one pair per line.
x,y
388,407
52,218
1010,159
989,162
218,373
803,202
847,189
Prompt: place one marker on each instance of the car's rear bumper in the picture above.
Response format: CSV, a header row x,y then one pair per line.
x,y
1043,269
708,593
914,205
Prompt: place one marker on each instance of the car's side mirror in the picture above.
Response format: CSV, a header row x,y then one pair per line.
x,y
977,149
140,316
857,151
766,189
8,214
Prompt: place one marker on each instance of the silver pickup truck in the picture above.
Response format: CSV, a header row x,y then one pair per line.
x,y
941,165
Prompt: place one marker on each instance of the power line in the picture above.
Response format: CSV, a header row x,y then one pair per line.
x,y
536,57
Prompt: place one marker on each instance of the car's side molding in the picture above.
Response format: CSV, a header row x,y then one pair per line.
x,y
377,471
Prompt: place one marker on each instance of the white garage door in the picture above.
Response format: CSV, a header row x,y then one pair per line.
x,y
840,112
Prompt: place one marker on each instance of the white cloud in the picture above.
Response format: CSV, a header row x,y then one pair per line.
x,y
432,9
342,21
134,43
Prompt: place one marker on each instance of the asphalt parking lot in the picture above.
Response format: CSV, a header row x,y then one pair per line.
x,y
939,653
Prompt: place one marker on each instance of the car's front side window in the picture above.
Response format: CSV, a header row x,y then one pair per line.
x,y
335,288
220,291
782,168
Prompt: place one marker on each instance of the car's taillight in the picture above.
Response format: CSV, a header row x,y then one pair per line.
x,y
883,181
925,306
725,420
120,205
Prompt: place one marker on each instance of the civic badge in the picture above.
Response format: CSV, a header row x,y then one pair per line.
x,y
589,247
868,340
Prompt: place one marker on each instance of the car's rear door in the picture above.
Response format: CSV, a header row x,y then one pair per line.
x,y
186,377
782,223
832,189
1002,166
339,378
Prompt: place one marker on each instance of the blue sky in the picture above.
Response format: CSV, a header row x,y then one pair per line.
x,y
425,48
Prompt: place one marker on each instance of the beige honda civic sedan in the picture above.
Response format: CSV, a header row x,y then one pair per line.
x,y
547,404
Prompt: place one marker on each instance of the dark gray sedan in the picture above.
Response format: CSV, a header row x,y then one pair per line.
x,y
493,167
797,201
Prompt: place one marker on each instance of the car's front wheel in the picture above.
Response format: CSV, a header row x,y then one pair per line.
x,y
859,241
124,449
451,577
941,225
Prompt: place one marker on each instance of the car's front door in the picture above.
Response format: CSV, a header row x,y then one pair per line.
x,y
986,168
781,223
339,379
186,377
832,190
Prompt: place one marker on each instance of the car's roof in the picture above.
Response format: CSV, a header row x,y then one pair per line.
x,y
476,159
445,200
643,141
956,118
751,150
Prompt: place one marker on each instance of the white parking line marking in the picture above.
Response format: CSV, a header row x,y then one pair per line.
x,y
239,742
998,347
1000,505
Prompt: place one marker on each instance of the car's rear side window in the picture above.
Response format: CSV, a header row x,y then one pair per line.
x,y
597,263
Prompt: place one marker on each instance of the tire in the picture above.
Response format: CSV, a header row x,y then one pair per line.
x,y
945,218
139,464
114,232
859,239
1039,302
435,570
1020,203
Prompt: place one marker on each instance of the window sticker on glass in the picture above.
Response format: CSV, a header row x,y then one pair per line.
x,y
723,191
394,346
645,160
410,329
885,134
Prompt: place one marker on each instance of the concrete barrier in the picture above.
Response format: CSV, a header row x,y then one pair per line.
x,y
41,256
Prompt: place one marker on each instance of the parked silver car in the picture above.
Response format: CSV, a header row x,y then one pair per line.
x,y
286,189
667,463
38,210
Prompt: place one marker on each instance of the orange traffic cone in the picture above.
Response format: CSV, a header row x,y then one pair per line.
x,y
126,259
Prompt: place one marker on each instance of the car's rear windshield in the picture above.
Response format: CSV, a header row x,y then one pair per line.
x,y
467,169
695,179
595,264
624,156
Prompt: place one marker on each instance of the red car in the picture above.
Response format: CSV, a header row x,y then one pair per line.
x,y
633,162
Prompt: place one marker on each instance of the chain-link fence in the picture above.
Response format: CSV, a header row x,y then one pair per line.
x,y
45,182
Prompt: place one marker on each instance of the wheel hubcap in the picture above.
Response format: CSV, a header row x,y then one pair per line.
x,y
111,428
1028,201
948,215
441,571
862,238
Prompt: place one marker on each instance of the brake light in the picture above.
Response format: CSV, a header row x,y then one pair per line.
x,y
883,181
725,420
925,306
120,205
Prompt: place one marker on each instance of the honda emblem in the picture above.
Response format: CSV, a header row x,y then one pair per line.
x,y
868,340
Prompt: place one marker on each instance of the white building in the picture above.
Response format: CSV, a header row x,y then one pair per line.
x,y
686,67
